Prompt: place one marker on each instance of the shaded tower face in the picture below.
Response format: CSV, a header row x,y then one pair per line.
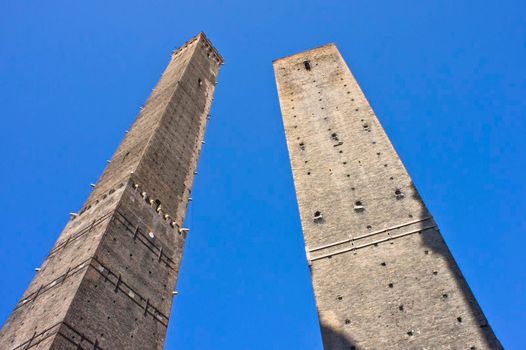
x,y
108,282
383,277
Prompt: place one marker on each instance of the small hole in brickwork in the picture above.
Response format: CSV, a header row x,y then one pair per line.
x,y
391,285
445,295
401,307
199,82
307,65
317,217
383,263
399,194
426,252
308,173
410,333
459,319
339,297
302,146
347,321
358,206
369,227
435,273
334,136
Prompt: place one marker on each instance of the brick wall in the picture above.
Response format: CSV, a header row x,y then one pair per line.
x,y
383,277
108,282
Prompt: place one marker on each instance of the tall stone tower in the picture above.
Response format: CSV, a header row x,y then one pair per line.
x,y
109,280
383,276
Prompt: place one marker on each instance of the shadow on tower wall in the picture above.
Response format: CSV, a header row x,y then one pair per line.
x,y
335,340
433,241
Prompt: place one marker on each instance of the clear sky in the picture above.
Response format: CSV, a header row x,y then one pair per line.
x,y
447,80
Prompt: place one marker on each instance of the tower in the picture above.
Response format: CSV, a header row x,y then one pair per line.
x,y
109,280
383,276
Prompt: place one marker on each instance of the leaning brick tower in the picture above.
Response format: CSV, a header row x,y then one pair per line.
x,y
109,280
383,277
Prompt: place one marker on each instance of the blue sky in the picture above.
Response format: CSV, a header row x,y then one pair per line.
x,y
447,80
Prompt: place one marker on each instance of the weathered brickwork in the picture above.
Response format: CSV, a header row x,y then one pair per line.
x,y
108,282
383,276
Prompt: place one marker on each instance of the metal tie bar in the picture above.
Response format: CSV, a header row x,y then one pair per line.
x,y
341,251
369,234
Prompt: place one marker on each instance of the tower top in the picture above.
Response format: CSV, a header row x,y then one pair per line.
x,y
304,52
201,37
